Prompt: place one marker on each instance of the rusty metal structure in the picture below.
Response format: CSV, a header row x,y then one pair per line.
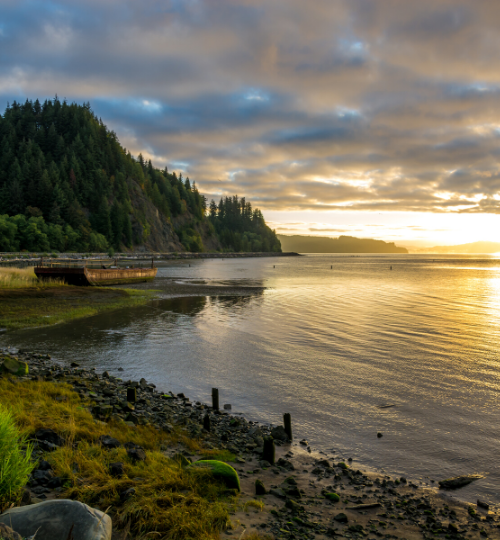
x,y
86,275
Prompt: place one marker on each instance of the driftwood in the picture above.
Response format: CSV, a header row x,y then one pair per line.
x,y
459,481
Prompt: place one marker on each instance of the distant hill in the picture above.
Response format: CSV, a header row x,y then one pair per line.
x,y
342,244
472,248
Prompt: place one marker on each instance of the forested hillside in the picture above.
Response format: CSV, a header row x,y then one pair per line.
x,y
240,228
67,184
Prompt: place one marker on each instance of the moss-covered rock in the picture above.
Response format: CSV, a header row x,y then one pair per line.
x,y
333,497
221,471
14,366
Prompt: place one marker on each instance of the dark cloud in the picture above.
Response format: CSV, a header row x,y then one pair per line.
x,y
348,104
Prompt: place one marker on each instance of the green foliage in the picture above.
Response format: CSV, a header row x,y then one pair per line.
x,y
240,228
67,184
69,177
15,465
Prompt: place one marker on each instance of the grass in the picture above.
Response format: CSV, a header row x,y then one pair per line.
x,y
47,305
15,465
174,502
20,278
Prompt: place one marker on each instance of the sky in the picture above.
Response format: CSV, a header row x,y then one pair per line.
x,y
375,118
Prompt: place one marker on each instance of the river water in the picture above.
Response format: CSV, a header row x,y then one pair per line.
x,y
334,340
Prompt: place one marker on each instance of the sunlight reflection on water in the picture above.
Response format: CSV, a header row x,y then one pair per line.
x,y
330,346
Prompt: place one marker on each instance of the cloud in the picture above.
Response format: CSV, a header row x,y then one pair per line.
x,y
328,104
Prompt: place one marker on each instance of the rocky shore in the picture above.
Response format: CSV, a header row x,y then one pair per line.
x,y
302,495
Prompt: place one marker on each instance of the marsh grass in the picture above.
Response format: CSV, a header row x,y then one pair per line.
x,y
22,307
19,278
173,502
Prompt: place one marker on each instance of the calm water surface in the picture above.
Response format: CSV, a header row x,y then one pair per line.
x,y
332,347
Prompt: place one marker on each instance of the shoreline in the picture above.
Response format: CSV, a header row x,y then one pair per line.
x,y
400,509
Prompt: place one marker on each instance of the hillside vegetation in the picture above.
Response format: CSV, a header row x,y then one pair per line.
x,y
67,184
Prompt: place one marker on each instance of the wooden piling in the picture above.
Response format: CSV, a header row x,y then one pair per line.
x,y
269,451
287,421
215,399
131,394
206,422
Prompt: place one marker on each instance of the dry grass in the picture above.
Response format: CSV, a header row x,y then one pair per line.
x,y
19,278
172,502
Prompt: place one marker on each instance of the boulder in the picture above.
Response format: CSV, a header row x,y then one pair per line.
x,y
221,471
56,519
14,366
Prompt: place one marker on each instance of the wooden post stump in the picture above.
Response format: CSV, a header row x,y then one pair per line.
x,y
269,451
287,421
131,394
206,422
215,399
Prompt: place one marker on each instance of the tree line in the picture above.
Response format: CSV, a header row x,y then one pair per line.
x,y
67,184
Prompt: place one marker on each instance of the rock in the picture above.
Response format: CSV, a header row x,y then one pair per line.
x,y
120,369
263,464
288,465
6,533
255,432
227,406
55,482
459,481
44,465
304,442
58,519
341,518
332,497
294,506
277,492
356,528
379,435
136,454
74,364
453,528
260,488
14,366
105,375
483,505
221,471
143,383
109,442
124,495
279,434
49,436
116,469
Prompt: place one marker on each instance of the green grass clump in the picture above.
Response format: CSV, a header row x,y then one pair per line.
x,y
221,471
15,465
19,278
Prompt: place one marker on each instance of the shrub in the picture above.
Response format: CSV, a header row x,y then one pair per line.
x,y
15,465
